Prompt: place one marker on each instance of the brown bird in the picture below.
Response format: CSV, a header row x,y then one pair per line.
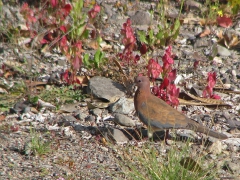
x,y
158,115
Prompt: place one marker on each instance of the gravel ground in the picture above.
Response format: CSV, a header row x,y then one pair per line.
x,y
81,145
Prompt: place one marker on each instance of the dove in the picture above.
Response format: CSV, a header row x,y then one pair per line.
x,y
158,115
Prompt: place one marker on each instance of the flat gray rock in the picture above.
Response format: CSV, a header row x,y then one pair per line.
x,y
123,120
116,135
105,88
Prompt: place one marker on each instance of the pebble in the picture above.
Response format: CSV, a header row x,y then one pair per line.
x,y
123,120
222,51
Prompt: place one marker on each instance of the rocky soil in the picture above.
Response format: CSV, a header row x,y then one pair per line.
x,y
85,137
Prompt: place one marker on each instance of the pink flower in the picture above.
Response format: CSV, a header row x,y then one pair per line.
x,y
164,84
212,77
172,75
129,38
173,94
167,58
195,65
154,69
94,11
208,91
54,3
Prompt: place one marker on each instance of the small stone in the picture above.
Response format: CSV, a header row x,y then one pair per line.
x,y
104,148
96,112
116,135
223,70
90,118
222,51
123,120
233,167
207,118
67,120
122,106
234,73
80,115
226,80
201,43
79,128
216,148
141,18
217,60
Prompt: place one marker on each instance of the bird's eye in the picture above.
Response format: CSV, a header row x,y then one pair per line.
x,y
139,80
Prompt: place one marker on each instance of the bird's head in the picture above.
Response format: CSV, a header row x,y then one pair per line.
x,y
142,82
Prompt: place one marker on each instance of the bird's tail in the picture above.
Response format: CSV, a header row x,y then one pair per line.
x,y
199,128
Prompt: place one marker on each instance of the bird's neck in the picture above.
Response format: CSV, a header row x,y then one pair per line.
x,y
145,92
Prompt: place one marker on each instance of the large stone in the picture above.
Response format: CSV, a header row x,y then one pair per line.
x,y
105,88
123,106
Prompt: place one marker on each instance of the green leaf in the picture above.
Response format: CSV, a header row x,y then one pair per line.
x,y
142,37
85,34
86,61
81,21
98,58
80,30
175,35
34,99
176,26
159,35
151,37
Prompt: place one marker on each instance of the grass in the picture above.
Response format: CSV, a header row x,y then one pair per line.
x,y
158,162
37,145
63,95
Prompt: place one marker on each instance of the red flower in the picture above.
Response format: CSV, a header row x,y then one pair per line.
x,y
212,78
195,65
143,49
172,75
173,93
164,84
154,69
66,9
94,11
54,3
129,38
167,58
208,91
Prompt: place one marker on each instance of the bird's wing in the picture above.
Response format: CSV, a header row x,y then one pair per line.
x,y
157,113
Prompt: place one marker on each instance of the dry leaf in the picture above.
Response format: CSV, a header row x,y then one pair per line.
x,y
228,39
202,101
232,42
220,34
204,22
92,44
2,117
8,74
34,83
224,21
206,32
83,79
